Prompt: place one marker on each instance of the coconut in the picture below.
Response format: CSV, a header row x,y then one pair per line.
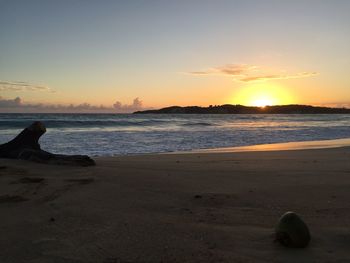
x,y
291,231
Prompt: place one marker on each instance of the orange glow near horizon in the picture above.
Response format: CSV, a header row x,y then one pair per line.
x,y
263,95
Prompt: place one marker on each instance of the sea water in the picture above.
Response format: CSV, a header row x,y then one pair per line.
x,y
114,134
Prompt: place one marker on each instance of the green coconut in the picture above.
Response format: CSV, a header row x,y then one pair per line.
x,y
291,231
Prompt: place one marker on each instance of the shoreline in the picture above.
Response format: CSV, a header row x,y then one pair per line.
x,y
286,146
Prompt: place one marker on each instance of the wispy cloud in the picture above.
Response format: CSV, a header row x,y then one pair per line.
x,y
250,73
229,69
236,70
17,105
272,77
22,86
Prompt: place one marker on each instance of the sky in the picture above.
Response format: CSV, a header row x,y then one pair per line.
x,y
121,56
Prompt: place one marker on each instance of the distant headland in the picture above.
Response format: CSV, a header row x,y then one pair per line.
x,y
240,109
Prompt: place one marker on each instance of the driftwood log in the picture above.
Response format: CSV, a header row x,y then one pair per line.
x,y
25,146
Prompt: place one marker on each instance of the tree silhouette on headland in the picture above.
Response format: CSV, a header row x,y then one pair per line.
x,y
240,109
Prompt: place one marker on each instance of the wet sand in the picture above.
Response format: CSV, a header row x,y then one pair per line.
x,y
199,207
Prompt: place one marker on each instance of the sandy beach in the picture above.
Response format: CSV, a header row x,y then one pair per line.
x,y
200,207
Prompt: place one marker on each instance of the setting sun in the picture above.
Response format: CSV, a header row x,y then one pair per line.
x,y
261,96
262,102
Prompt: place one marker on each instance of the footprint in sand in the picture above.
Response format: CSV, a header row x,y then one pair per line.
x,y
3,169
215,199
12,199
56,193
81,180
31,180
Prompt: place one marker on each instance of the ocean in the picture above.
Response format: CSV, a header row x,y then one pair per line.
x,y
120,134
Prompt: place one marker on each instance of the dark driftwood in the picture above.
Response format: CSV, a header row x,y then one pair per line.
x,y
26,147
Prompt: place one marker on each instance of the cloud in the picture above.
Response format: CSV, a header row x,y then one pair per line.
x,y
17,105
236,70
229,69
22,86
17,102
335,105
272,77
135,106
250,73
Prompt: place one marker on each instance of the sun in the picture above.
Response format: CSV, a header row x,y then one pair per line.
x,y
262,102
262,96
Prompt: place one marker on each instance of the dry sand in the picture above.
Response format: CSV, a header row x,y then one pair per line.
x,y
203,207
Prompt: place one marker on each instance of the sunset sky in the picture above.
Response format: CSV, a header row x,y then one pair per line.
x,y
128,55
